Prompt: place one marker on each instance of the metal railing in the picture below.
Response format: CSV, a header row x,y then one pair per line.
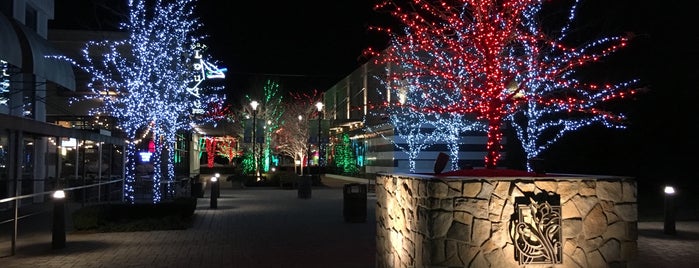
x,y
18,209
24,210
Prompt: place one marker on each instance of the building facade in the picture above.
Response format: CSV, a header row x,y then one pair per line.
x,y
36,156
353,107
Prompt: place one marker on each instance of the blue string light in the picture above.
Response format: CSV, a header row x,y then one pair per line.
x,y
147,82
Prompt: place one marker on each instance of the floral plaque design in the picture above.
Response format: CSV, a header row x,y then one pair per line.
x,y
535,229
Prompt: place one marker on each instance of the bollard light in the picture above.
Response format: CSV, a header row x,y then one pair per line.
x,y
669,190
58,232
669,224
214,192
215,186
59,194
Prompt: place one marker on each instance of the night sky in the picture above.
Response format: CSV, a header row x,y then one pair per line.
x,y
313,44
306,45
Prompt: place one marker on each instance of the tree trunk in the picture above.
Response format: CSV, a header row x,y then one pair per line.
x,y
494,144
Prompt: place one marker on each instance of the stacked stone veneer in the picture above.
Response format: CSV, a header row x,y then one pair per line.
x,y
463,222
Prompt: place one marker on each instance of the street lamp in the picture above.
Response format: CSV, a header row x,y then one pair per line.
x,y
254,105
319,105
301,161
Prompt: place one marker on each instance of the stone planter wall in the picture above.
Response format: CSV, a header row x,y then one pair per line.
x,y
472,222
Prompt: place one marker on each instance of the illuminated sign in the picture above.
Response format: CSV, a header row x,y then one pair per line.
x,y
4,83
204,70
145,156
71,142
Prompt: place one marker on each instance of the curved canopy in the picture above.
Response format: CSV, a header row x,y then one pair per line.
x,y
10,50
35,60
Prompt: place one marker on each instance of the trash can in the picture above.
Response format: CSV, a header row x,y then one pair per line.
x,y
354,202
197,189
304,185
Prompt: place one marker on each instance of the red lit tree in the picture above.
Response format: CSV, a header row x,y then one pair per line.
x,y
227,148
210,151
475,57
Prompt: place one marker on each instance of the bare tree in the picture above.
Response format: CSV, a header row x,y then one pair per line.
x,y
291,139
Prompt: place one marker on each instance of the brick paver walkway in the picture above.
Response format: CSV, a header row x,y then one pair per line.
x,y
270,227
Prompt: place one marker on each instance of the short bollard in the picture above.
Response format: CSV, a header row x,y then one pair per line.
x,y
218,189
214,192
669,227
59,220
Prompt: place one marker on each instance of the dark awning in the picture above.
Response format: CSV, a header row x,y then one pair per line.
x,y
35,50
10,50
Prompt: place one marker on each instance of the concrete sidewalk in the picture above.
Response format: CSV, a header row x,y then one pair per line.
x,y
271,227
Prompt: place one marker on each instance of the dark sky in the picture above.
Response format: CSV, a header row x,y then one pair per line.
x,y
289,38
314,44
307,45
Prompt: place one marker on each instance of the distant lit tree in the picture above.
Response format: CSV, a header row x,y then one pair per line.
x,y
211,145
292,137
269,114
448,130
411,129
227,148
344,158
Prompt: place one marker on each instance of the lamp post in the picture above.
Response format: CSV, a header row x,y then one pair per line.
x,y
254,105
319,105
301,162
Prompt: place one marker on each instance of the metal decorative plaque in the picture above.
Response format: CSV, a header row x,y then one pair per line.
x,y
535,229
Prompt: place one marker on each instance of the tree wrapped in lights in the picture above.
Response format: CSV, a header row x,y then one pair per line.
x,y
227,148
544,120
344,158
412,128
270,113
292,137
211,148
476,50
416,130
449,128
145,81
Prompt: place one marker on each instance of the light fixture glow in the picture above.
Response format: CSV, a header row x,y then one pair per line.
x,y
669,190
60,194
254,105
